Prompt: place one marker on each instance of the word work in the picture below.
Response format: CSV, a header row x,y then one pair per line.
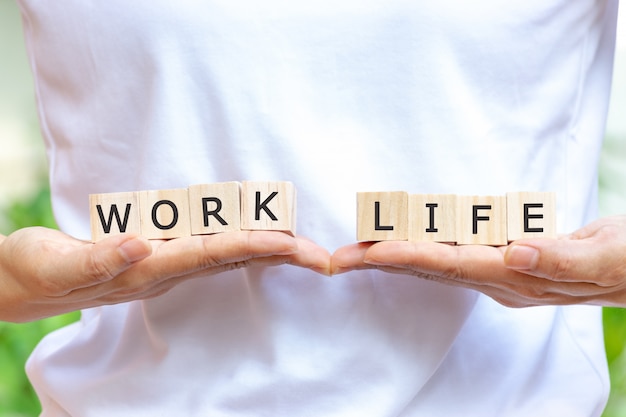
x,y
481,220
196,210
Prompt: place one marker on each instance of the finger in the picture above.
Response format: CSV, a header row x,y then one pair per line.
x,y
86,265
463,263
312,256
198,253
189,257
349,258
568,260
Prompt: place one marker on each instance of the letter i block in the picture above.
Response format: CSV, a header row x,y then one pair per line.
x,y
531,214
113,214
165,213
382,216
432,217
481,220
215,208
268,205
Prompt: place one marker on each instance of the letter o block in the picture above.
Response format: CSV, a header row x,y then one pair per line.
x,y
165,213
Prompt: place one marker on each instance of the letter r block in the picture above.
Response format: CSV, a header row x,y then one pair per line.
x,y
481,220
114,213
165,213
382,216
268,205
531,214
215,208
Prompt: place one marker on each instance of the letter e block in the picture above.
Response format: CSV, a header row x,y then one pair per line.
x,y
481,220
215,208
531,214
382,216
268,205
165,213
114,213
432,217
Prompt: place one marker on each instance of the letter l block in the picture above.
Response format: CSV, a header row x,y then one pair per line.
x,y
382,216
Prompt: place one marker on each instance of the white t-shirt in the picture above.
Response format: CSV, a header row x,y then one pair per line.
x,y
482,98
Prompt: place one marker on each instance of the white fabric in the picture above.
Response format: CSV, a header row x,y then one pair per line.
x,y
338,97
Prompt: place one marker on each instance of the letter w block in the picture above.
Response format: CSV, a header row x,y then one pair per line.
x,y
114,213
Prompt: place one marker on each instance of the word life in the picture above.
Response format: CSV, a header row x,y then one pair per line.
x,y
481,220
196,210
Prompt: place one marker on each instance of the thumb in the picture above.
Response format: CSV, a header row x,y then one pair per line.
x,y
106,259
565,260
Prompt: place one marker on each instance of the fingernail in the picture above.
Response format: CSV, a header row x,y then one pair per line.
x,y
136,249
372,261
521,257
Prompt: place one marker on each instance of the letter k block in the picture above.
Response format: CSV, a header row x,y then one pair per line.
x,y
268,205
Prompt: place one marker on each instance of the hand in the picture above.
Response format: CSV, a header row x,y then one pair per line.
x,y
586,267
44,272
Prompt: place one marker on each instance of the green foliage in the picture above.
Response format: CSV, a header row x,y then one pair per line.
x,y
614,339
17,341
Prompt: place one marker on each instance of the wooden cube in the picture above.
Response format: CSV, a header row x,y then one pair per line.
x,y
432,217
215,208
382,216
481,220
165,213
268,205
531,214
114,213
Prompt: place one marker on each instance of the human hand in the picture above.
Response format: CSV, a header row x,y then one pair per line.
x,y
585,267
44,272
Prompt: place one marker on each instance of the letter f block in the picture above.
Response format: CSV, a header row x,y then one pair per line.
x,y
268,205
114,213
481,220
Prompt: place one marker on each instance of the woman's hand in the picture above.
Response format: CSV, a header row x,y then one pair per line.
x,y
44,272
587,266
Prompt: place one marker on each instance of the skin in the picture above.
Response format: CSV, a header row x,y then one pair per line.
x,y
45,272
585,267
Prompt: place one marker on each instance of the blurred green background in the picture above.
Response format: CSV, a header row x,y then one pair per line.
x,y
25,201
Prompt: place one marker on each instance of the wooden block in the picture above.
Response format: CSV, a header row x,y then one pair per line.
x,y
382,216
432,217
531,214
165,213
215,208
268,205
114,213
481,220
